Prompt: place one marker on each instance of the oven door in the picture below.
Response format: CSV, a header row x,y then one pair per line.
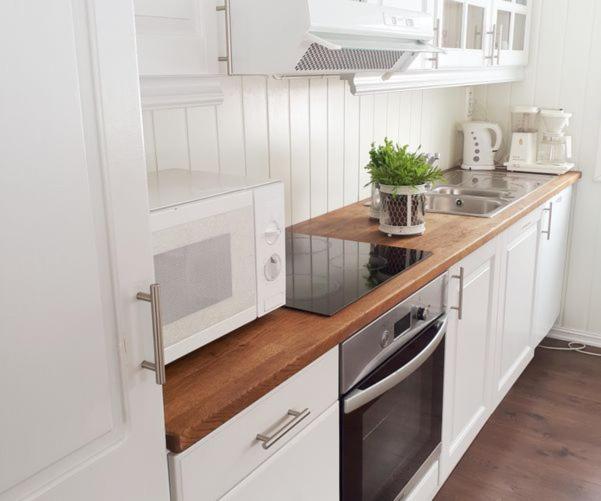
x,y
391,420
205,263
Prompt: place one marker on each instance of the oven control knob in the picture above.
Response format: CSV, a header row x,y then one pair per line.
x,y
386,338
422,313
272,232
272,268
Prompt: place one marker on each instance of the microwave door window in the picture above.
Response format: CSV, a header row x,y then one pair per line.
x,y
194,277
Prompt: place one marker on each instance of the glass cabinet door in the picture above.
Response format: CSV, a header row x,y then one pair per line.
x,y
464,32
511,20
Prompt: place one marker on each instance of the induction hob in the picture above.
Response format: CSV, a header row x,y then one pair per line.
x,y
323,275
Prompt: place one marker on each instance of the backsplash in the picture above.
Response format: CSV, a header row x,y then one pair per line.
x,y
310,132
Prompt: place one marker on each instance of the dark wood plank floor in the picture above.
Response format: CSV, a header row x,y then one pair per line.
x,y
543,442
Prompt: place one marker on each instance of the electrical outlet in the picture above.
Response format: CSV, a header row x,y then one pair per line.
x,y
469,102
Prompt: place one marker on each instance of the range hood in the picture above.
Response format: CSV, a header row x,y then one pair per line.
x,y
324,37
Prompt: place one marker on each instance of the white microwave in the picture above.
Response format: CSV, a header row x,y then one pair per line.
x,y
219,254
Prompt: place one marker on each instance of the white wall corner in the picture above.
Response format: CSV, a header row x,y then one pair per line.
x,y
565,334
163,92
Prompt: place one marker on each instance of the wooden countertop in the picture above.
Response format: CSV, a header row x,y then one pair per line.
x,y
211,385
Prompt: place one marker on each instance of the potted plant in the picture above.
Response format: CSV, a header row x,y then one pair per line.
x,y
402,177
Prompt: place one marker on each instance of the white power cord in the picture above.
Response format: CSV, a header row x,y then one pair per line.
x,y
572,346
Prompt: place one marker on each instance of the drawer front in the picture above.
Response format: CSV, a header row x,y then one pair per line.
x,y
306,469
209,469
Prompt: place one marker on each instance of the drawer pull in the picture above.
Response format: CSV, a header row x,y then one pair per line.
x,y
461,278
548,230
269,440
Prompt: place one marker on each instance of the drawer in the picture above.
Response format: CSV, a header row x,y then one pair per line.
x,y
213,466
524,224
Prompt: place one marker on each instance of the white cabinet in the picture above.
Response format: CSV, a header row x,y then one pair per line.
x,y
80,418
511,20
551,264
481,33
305,469
464,32
178,55
514,351
469,352
215,465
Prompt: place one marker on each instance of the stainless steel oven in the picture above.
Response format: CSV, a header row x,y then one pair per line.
x,y
391,397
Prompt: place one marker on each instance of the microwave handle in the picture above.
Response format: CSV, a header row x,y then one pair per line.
x,y
358,398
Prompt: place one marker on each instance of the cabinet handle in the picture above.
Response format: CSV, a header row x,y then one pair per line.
x,y
548,230
461,278
225,8
493,35
269,440
435,55
158,366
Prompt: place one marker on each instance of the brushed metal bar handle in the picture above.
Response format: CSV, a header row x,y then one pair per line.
x,y
493,34
158,366
435,55
269,440
461,278
225,8
548,230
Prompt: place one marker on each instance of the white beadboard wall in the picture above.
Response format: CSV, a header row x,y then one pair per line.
x,y
310,132
565,71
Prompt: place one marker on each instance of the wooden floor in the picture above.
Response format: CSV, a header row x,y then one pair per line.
x,y
543,442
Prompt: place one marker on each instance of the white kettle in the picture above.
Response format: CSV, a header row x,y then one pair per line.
x,y
478,150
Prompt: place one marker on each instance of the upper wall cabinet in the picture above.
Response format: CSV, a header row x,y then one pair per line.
x,y
464,33
511,27
177,52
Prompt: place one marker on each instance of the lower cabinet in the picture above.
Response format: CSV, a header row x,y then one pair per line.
x,y
552,252
293,428
305,469
473,290
518,255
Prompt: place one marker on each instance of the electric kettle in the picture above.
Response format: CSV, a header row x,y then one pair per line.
x,y
478,150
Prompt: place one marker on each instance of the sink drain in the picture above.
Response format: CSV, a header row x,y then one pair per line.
x,y
459,202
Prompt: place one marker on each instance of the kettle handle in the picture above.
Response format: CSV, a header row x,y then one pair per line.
x,y
498,136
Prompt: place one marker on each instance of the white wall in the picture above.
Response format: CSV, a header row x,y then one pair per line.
x,y
565,71
312,133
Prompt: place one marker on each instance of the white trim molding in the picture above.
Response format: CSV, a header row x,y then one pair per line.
x,y
431,79
163,92
565,334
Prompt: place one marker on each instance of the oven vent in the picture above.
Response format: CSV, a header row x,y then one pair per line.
x,y
320,58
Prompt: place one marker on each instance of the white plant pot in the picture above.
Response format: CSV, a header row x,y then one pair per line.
x,y
403,210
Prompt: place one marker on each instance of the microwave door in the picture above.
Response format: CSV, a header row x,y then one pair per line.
x,y
391,421
204,257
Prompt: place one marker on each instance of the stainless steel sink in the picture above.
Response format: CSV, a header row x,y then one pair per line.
x,y
465,206
481,194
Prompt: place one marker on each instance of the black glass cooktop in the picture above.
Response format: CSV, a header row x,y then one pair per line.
x,y
323,275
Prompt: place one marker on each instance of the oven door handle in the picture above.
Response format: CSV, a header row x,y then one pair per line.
x,y
358,398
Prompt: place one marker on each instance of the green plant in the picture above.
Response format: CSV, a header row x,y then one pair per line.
x,y
395,165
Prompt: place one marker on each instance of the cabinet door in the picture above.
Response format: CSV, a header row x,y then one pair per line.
x,y
80,418
511,23
468,361
463,33
551,264
518,264
305,469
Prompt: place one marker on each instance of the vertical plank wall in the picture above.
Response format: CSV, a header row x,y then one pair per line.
x,y
310,132
565,71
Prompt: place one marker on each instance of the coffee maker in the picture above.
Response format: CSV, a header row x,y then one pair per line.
x,y
538,142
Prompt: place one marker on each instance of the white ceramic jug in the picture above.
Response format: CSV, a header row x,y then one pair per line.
x,y
478,149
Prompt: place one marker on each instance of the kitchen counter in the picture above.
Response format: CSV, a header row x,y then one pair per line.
x,y
211,385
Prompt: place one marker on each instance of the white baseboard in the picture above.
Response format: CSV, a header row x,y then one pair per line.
x,y
588,338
